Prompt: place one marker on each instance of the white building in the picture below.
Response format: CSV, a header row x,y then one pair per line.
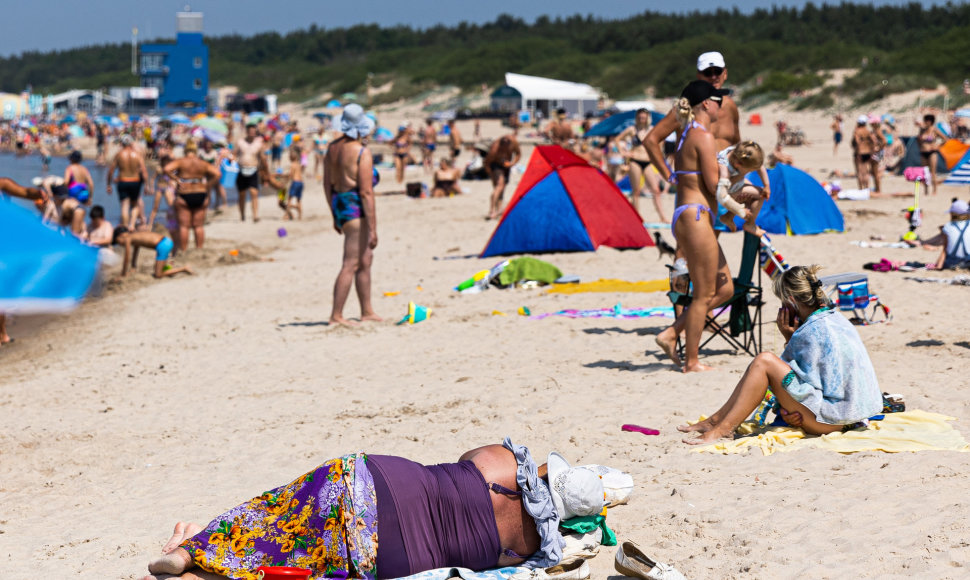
x,y
535,94
95,102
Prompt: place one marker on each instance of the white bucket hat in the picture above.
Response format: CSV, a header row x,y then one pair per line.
x,y
354,123
576,491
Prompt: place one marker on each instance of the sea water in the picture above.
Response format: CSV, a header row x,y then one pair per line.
x,y
24,168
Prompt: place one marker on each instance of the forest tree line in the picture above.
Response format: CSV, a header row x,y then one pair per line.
x,y
906,46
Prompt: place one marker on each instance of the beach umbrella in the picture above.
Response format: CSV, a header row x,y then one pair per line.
x,y
256,117
322,116
383,134
69,119
75,131
333,104
212,124
41,269
615,124
209,135
444,115
963,114
178,118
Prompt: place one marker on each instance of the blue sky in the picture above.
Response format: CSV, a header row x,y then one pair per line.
x,y
53,24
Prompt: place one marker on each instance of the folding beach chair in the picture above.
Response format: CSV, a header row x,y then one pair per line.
x,y
850,291
743,327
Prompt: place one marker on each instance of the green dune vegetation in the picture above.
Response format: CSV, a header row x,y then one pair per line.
x,y
772,54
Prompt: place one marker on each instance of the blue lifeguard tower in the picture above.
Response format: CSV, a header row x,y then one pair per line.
x,y
180,71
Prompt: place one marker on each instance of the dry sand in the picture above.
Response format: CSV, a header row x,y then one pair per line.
x,y
183,397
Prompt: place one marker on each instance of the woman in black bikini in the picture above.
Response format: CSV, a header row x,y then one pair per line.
x,y
640,163
929,145
446,179
193,179
402,151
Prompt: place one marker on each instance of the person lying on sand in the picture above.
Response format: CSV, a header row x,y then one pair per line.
x,y
147,239
823,380
326,520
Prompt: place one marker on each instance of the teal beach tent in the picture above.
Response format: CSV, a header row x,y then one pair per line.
x,y
799,205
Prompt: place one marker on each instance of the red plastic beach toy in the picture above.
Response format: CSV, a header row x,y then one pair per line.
x,y
282,573
639,429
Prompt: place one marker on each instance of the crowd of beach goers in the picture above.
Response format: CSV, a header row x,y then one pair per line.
x,y
172,178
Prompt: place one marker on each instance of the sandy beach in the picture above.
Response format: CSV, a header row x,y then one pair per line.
x,y
177,399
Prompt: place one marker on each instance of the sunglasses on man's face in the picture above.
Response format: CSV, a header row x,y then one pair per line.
x,y
717,100
712,71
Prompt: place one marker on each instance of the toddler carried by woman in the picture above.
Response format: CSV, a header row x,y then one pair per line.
x,y
735,194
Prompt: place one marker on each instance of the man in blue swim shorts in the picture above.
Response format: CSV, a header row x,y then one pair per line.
x,y
348,180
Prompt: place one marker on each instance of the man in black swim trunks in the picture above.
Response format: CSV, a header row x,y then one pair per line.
x,y
502,155
132,173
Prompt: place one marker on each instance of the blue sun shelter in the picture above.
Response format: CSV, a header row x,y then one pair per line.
x,y
799,205
616,124
41,269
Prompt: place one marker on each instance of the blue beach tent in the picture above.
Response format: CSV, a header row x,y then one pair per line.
x,y
615,124
798,205
961,172
41,269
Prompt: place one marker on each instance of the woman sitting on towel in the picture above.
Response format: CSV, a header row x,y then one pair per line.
x,y
823,380
376,516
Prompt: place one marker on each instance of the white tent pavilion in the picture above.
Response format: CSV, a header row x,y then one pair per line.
x,y
546,95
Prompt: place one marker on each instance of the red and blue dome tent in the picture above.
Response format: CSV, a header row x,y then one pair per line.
x,y
563,204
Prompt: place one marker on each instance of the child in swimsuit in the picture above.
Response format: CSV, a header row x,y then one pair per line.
x,y
294,202
734,163
162,245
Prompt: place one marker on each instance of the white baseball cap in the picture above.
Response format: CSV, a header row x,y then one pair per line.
x,y
958,207
862,120
709,59
576,491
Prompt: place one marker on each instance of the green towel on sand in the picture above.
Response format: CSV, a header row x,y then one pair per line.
x,y
586,524
527,268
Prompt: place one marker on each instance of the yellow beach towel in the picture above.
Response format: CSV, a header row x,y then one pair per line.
x,y
610,285
906,431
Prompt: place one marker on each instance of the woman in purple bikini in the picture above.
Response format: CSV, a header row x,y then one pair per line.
x,y
377,516
692,224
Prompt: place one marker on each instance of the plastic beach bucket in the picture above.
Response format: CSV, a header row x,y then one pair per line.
x,y
282,573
